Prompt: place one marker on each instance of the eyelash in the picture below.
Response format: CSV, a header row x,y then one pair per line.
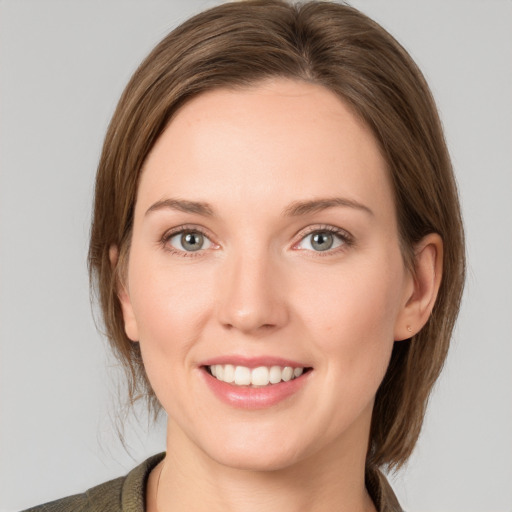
x,y
345,237
179,230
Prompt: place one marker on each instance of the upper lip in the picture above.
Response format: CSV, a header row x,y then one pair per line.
x,y
253,362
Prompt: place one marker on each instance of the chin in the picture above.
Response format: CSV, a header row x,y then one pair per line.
x,y
256,459
262,449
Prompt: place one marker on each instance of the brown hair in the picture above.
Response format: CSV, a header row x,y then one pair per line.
x,y
240,43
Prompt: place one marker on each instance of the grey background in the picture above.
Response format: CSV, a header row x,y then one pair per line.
x,y
63,65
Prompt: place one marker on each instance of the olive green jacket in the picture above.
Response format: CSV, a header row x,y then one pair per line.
x,y
127,494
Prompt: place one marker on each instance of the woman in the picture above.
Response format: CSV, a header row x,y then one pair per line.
x,y
278,253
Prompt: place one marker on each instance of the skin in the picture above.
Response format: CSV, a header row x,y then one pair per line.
x,y
259,288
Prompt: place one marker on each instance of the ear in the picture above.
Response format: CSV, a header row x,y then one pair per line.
x,y
130,323
421,291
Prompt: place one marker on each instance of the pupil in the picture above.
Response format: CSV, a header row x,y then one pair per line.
x,y
192,241
322,241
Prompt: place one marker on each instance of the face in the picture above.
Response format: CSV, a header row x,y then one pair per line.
x,y
265,281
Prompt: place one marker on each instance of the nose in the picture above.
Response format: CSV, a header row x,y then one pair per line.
x,y
252,295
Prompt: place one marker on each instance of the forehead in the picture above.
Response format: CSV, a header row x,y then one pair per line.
x,y
277,140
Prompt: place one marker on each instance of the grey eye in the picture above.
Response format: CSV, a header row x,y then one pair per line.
x,y
192,241
189,241
322,241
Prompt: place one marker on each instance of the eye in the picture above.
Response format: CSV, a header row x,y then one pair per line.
x,y
322,240
189,241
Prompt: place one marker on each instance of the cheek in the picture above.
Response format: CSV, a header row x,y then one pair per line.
x,y
171,308
170,305
353,312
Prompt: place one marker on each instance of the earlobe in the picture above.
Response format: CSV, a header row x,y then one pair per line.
x,y
130,323
421,295
113,255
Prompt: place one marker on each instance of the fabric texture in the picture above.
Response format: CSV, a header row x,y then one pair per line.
x,y
127,494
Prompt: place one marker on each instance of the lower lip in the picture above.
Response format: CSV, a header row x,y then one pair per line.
x,y
245,397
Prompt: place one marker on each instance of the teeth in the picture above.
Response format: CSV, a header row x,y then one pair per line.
x,y
275,374
242,375
261,376
229,373
287,373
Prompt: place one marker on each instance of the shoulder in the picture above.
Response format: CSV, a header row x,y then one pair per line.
x,y
75,503
119,495
100,498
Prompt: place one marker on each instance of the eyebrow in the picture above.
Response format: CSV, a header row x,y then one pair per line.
x,y
298,208
295,209
197,207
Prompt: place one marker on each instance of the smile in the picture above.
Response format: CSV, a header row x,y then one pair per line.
x,y
255,382
254,377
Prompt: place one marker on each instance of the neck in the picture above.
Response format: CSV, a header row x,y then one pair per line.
x,y
188,479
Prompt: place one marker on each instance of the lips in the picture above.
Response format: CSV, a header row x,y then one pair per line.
x,y
254,383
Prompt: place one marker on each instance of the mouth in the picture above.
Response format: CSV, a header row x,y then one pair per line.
x,y
259,377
